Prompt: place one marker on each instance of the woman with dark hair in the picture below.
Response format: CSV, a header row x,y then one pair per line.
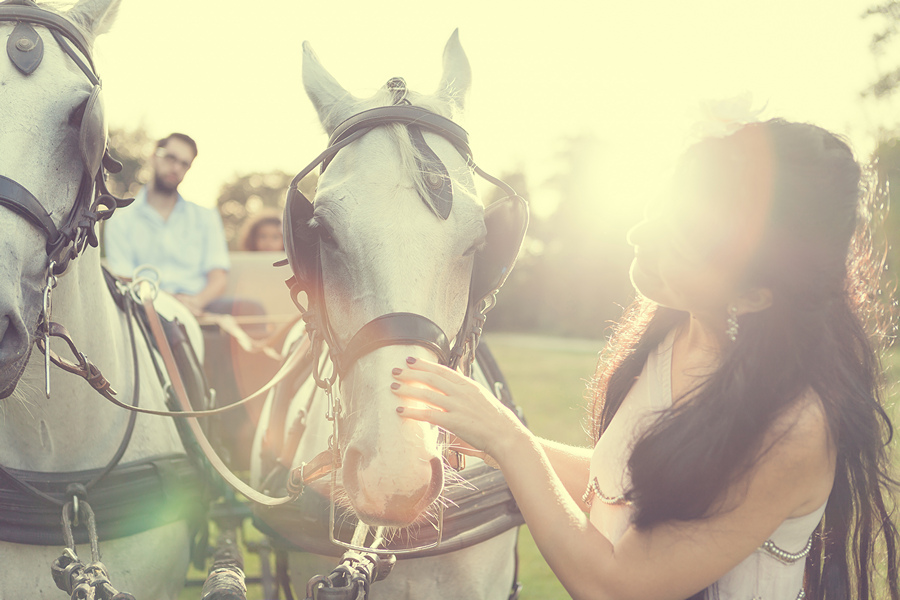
x,y
262,233
741,440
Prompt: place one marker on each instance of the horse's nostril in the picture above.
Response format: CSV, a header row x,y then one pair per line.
x,y
394,496
11,339
14,351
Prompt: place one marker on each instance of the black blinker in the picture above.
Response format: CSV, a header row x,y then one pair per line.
x,y
25,48
437,179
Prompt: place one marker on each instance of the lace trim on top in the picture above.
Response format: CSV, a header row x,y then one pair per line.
x,y
784,556
594,491
800,596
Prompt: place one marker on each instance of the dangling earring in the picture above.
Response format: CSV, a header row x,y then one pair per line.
x,y
732,322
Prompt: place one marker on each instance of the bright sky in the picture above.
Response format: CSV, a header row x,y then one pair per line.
x,y
632,73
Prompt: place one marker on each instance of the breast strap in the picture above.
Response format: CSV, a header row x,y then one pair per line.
x,y
133,498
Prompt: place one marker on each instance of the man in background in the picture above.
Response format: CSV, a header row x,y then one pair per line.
x,y
185,241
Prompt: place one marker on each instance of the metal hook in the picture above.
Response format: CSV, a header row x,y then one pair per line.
x,y
75,510
52,280
138,281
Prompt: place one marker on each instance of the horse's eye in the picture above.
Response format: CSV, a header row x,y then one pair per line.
x,y
478,246
324,232
77,115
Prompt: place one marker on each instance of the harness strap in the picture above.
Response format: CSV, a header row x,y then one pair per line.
x,y
171,368
133,498
232,326
476,512
394,329
297,474
22,202
84,368
31,13
405,115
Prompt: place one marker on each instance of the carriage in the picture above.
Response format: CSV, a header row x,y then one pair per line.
x,y
335,476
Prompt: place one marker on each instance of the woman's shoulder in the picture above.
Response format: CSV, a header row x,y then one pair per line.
x,y
798,448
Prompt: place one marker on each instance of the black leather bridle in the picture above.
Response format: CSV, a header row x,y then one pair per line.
x,y
506,221
93,202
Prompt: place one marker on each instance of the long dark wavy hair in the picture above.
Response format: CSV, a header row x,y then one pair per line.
x,y
824,331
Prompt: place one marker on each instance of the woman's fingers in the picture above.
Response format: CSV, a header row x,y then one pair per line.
x,y
426,366
430,378
427,395
428,415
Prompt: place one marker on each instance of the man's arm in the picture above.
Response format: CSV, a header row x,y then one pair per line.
x,y
215,265
216,282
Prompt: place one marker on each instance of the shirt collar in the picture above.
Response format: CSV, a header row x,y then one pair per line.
x,y
140,199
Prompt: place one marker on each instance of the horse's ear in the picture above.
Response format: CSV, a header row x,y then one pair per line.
x,y
457,77
332,101
96,16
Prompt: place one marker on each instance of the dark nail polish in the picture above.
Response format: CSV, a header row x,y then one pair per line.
x,y
395,386
397,371
399,409
410,360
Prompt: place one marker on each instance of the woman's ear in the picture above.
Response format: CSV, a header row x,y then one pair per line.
x,y
753,300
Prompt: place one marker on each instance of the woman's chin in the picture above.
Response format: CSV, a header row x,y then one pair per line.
x,y
644,283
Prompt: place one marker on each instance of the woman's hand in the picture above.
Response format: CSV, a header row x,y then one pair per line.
x,y
448,399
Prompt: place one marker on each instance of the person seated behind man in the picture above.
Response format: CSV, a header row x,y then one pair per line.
x,y
262,233
185,241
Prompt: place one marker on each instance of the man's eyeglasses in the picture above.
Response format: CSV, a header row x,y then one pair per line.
x,y
172,159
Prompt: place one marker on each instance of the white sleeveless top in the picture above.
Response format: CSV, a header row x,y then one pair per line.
x,y
773,572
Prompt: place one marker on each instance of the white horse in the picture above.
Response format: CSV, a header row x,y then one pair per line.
x,y
385,251
44,117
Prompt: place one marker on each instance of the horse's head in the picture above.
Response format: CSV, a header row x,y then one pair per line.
x,y
395,231
52,129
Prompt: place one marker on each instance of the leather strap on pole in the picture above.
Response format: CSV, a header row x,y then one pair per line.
x,y
159,337
84,368
210,453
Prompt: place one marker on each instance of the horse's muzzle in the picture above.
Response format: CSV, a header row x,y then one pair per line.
x,y
378,501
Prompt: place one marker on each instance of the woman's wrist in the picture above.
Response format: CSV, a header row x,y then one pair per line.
x,y
515,443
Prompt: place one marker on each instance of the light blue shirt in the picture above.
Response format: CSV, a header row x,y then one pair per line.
x,y
184,247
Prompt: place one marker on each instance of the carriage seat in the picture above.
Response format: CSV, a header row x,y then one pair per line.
x,y
252,276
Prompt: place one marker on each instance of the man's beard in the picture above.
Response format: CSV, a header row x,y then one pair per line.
x,y
160,185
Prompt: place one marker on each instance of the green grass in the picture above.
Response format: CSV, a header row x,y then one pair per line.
x,y
547,377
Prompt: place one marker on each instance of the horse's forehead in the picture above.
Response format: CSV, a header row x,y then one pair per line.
x,y
55,84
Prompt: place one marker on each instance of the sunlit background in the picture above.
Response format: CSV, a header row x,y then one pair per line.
x,y
578,102
581,105
629,73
